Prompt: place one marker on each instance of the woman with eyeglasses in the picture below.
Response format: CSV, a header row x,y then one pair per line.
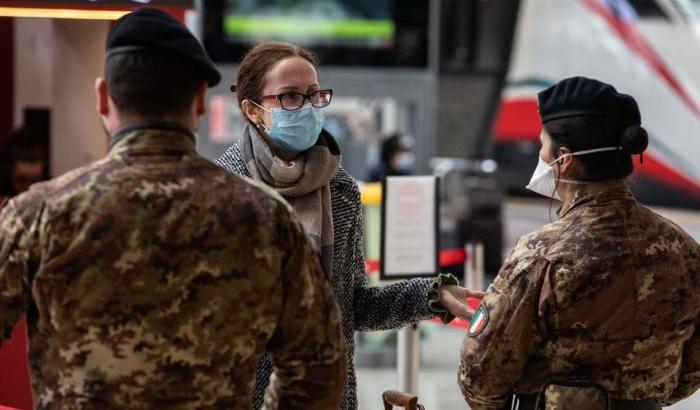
x,y
285,147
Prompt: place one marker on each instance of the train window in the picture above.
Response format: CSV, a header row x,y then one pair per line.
x,y
648,9
694,8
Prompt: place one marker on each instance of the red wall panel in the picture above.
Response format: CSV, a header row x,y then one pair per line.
x,y
7,60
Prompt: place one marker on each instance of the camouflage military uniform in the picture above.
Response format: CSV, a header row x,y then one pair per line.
x,y
153,279
608,293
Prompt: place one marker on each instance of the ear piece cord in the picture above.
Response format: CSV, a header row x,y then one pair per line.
x,y
556,186
549,209
551,198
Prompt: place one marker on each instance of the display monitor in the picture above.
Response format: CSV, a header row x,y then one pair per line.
x,y
341,32
97,3
356,23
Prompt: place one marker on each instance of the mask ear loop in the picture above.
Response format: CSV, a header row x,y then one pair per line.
x,y
261,125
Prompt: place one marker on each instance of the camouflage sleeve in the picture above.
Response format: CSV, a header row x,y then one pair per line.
x,y
308,350
504,332
14,275
689,378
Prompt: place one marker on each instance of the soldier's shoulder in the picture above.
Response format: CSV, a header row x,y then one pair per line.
x,y
267,192
232,164
540,241
61,186
659,227
239,187
528,257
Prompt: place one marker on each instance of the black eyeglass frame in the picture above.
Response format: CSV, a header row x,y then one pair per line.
x,y
308,96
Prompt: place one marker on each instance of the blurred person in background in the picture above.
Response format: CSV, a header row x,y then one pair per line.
x,y
601,306
23,164
154,279
397,158
285,146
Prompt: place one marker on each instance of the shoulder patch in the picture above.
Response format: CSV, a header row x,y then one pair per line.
x,y
479,321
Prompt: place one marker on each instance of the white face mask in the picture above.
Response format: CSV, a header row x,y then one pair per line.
x,y
543,180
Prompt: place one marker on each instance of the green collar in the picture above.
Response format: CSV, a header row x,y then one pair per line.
x,y
597,192
157,138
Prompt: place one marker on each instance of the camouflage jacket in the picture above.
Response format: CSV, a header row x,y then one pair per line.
x,y
609,293
153,279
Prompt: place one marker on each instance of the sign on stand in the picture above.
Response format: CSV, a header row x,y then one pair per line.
x,y
410,228
409,249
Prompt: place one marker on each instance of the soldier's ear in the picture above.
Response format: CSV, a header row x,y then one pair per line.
x,y
565,151
567,162
102,96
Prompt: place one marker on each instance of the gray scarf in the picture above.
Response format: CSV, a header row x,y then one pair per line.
x,y
304,183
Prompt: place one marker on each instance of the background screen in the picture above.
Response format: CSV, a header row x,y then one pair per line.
x,y
384,33
354,23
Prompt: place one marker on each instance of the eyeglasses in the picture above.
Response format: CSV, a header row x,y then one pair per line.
x,y
294,101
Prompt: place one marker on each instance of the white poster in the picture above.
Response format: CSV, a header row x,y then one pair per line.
x,y
409,227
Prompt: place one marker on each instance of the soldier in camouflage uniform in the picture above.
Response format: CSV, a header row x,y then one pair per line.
x,y
153,279
608,295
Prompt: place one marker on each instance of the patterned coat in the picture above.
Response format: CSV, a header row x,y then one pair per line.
x,y
152,279
609,293
361,307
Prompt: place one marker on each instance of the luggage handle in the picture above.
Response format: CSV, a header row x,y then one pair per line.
x,y
404,400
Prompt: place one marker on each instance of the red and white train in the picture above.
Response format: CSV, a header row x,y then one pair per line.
x,y
647,48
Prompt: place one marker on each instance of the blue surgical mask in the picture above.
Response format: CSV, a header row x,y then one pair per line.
x,y
295,131
404,162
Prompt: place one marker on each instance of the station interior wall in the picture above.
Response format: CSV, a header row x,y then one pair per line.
x,y
56,63
6,77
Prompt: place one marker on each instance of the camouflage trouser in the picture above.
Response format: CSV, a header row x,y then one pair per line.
x,y
581,399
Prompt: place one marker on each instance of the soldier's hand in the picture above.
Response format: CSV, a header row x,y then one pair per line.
x,y
454,299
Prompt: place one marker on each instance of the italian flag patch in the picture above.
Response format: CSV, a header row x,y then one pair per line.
x,y
479,321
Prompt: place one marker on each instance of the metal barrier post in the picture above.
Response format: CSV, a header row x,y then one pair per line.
x,y
468,265
479,267
408,358
474,266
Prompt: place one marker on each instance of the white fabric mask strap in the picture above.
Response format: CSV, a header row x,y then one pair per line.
x,y
591,151
260,106
584,152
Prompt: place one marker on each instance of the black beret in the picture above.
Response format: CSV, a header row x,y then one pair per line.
x,y
580,96
155,30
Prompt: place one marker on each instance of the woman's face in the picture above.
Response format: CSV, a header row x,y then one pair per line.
x,y
293,74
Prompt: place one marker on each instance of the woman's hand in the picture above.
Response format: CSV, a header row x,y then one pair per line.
x,y
454,299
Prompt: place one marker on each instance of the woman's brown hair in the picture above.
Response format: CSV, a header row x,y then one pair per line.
x,y
258,62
